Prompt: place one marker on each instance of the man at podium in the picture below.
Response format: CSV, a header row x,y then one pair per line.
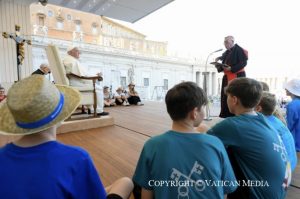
x,y
234,59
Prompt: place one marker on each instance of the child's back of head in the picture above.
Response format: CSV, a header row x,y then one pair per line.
x,y
247,90
267,103
265,86
183,98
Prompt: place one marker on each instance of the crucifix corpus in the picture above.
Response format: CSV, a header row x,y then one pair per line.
x,y
20,42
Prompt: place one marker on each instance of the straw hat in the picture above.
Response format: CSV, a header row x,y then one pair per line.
x,y
293,86
35,104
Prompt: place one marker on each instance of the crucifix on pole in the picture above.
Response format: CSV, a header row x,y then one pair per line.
x,y
20,42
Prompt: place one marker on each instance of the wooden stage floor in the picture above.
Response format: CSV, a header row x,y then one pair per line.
x,y
115,149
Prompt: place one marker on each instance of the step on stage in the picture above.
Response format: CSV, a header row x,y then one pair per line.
x,y
76,124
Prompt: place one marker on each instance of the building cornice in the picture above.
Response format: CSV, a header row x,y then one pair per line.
x,y
115,52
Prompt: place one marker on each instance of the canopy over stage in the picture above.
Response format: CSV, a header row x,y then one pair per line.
x,y
125,10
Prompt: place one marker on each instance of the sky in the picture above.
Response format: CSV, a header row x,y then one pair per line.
x,y
268,29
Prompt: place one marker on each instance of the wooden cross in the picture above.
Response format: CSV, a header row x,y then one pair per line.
x,y
20,42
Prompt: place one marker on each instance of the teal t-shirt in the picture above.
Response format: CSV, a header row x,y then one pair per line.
x,y
185,165
259,152
287,139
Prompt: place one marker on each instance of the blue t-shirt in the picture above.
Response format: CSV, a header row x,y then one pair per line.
x,y
47,171
259,153
185,165
293,120
286,138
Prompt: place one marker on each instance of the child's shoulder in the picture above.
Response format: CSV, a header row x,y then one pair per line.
x,y
294,103
172,136
211,140
158,138
72,151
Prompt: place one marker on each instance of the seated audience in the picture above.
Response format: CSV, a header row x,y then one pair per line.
x,y
2,94
73,66
108,98
182,157
120,97
133,96
43,70
267,106
293,110
254,149
38,166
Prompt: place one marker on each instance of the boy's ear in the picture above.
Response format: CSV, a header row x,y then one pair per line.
x,y
194,113
258,108
235,100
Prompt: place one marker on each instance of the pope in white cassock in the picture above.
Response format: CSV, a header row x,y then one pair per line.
x,y
72,65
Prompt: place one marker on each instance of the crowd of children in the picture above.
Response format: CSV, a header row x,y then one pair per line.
x,y
121,96
250,155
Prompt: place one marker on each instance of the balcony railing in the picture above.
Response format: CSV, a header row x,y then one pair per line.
x,y
40,40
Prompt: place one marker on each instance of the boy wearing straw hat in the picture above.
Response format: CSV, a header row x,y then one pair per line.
x,y
36,165
293,110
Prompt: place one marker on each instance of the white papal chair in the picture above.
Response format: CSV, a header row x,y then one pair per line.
x,y
88,94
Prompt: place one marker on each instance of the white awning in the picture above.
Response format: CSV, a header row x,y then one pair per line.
x,y
125,10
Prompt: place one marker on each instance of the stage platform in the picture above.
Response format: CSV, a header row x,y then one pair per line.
x,y
116,149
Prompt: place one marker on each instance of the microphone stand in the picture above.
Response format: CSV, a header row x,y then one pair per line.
x,y
207,115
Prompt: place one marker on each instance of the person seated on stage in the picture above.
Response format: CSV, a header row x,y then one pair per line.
x,y
2,94
43,70
293,110
133,96
108,98
120,97
254,149
38,166
277,113
182,157
73,66
267,106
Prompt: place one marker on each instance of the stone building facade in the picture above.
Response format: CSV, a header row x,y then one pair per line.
x,y
120,53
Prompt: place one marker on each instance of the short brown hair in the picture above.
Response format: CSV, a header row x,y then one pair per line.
x,y
267,103
265,86
247,90
183,98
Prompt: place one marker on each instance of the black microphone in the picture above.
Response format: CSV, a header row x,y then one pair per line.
x,y
217,50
